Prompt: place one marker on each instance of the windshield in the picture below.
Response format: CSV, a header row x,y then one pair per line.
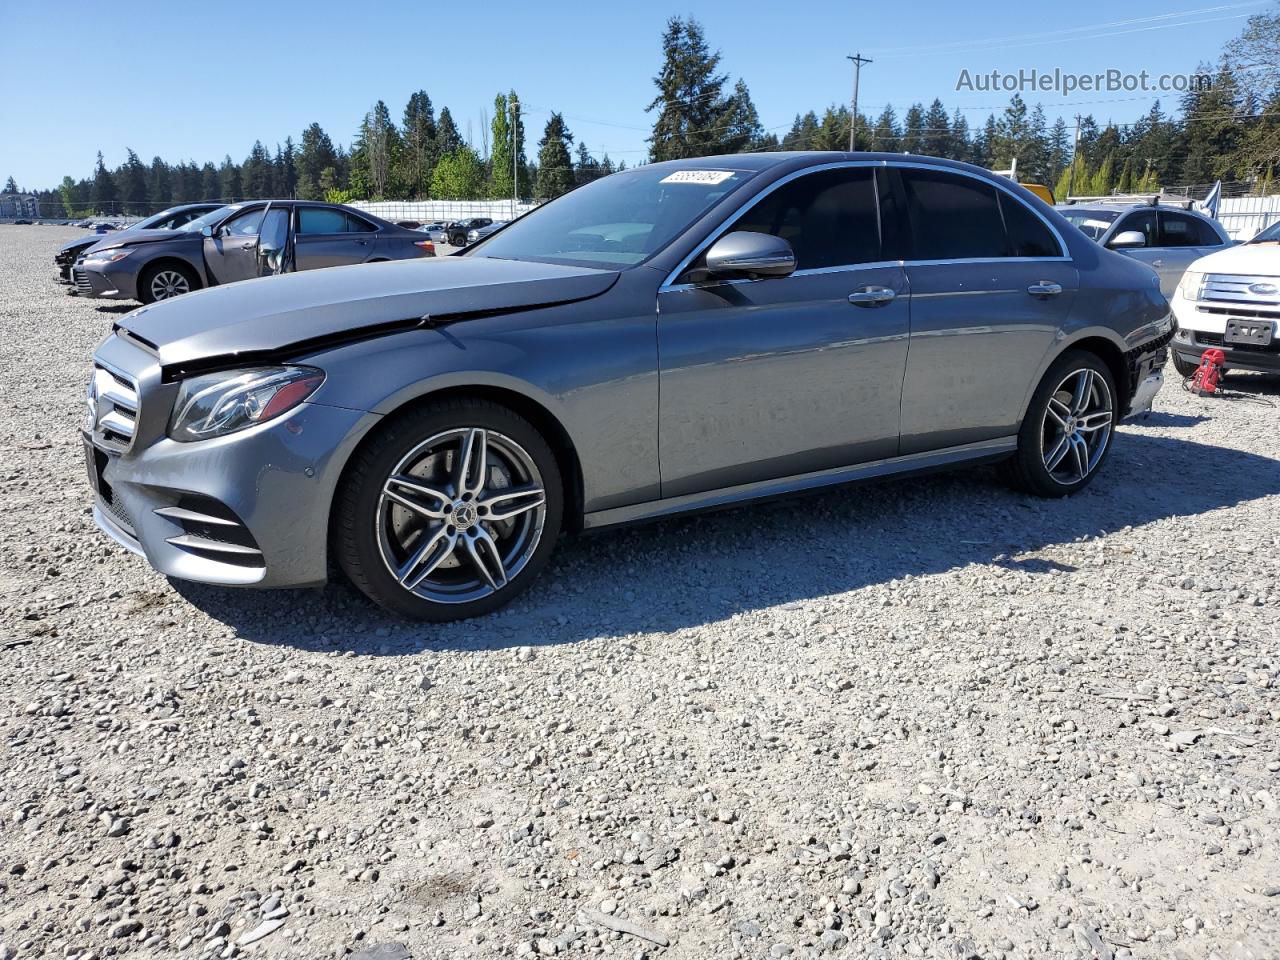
x,y
617,221
1269,235
1092,223
209,219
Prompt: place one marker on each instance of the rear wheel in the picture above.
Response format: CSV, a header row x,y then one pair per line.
x,y
450,511
166,281
1068,429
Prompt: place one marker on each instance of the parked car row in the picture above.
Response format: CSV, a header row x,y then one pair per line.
x,y
235,242
680,336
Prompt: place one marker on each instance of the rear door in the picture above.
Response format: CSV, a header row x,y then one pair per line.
x,y
1183,240
991,286
329,237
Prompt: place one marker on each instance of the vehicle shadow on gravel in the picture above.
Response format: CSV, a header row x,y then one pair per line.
x,y
684,573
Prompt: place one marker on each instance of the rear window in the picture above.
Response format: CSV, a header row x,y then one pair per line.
x,y
1027,233
320,220
952,217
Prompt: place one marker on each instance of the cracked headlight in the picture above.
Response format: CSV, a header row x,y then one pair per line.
x,y
216,404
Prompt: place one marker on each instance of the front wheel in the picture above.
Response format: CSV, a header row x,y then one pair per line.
x,y
1067,432
450,511
166,281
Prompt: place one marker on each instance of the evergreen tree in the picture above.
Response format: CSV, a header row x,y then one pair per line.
x,y
448,139
1059,150
255,173
159,186
1213,133
695,117
229,181
740,122
833,130
103,195
555,165
961,148
10,186
288,170
419,154
587,168
133,184
937,131
913,130
210,186
887,137
803,133
314,157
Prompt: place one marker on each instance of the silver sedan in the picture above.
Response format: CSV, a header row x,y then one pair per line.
x,y
681,336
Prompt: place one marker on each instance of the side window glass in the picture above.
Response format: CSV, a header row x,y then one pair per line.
x,y
245,225
1144,223
1178,230
829,218
313,220
952,217
1028,235
1208,236
357,225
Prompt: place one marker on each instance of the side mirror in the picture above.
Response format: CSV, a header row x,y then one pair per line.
x,y
206,231
1126,239
743,253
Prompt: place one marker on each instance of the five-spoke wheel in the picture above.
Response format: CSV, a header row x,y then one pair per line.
x,y
1076,426
459,507
1068,427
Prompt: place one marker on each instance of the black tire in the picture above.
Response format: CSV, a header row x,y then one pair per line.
x,y
1028,469
1185,368
360,527
147,278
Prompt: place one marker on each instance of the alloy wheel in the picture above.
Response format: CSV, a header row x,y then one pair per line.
x,y
169,283
461,515
1077,426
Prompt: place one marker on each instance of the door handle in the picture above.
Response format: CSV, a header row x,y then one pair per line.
x,y
1045,288
1157,263
871,297
247,244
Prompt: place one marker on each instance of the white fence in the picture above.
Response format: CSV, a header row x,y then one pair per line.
x,y
1244,217
425,211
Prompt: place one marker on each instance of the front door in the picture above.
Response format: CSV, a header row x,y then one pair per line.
x,y
990,289
231,254
769,378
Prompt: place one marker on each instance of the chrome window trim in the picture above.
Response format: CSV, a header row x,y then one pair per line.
x,y
669,284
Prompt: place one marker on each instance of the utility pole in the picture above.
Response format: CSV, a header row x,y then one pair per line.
x,y
858,61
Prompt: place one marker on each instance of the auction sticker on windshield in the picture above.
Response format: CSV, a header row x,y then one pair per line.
x,y
707,177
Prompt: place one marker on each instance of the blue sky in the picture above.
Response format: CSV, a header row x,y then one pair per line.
x,y
172,79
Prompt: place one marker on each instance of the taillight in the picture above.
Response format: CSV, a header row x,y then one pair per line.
x,y
426,246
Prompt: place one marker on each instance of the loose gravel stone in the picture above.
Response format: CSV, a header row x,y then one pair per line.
x,y
932,718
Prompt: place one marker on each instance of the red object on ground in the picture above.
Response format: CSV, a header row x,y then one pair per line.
x,y
1204,382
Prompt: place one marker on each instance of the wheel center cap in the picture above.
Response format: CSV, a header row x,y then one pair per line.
x,y
1070,426
464,514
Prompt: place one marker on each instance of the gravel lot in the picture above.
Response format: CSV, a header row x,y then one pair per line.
x,y
931,719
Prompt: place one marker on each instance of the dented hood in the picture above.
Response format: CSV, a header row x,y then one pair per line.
x,y
269,317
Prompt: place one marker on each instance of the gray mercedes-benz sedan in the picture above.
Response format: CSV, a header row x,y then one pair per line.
x,y
680,336
237,242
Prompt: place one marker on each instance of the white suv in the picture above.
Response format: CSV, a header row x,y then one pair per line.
x,y
1231,300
